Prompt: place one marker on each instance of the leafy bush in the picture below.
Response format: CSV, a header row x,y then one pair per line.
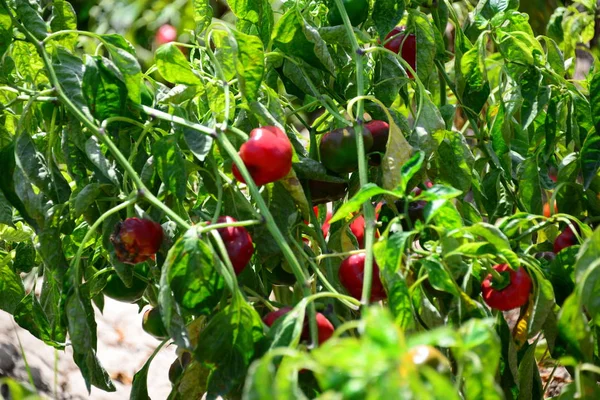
x,y
481,130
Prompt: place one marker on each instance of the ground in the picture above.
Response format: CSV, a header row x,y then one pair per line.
x,y
123,348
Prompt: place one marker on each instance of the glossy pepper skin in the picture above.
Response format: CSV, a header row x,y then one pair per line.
x,y
566,239
136,240
514,295
237,242
267,155
116,289
153,325
352,276
405,45
357,10
324,327
338,149
380,130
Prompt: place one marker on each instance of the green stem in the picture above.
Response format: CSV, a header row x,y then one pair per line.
x,y
91,126
211,227
368,209
288,254
89,234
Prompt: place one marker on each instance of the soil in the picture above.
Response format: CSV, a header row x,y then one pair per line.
x,y
123,348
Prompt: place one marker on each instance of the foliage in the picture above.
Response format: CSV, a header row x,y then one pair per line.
x,y
490,113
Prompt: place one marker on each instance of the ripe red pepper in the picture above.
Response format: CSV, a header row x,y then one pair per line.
x,y
380,130
136,240
405,45
267,155
566,239
512,293
324,327
166,34
338,149
358,230
352,276
237,242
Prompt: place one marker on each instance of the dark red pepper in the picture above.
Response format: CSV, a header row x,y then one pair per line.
x,y
405,45
324,327
512,293
566,239
380,130
237,242
267,155
136,240
338,149
352,276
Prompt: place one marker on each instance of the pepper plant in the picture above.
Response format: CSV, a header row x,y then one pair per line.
x,y
315,201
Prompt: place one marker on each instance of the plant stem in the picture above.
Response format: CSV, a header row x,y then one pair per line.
x,y
226,145
368,209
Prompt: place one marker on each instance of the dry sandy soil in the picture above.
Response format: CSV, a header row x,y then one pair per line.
x,y
123,348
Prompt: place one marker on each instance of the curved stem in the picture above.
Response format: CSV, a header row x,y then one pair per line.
x,y
89,234
272,227
368,209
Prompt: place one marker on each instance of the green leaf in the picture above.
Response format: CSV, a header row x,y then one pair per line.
x,y
28,62
174,67
286,330
198,143
454,160
228,344
64,18
421,25
307,168
472,84
87,197
82,331
530,188
590,158
489,8
192,274
295,37
6,210
440,277
255,17
170,311
5,31
121,54
104,88
35,167
249,64
70,73
11,289
203,14
32,20
30,315
364,194
170,165
96,156
588,253
574,329
386,15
